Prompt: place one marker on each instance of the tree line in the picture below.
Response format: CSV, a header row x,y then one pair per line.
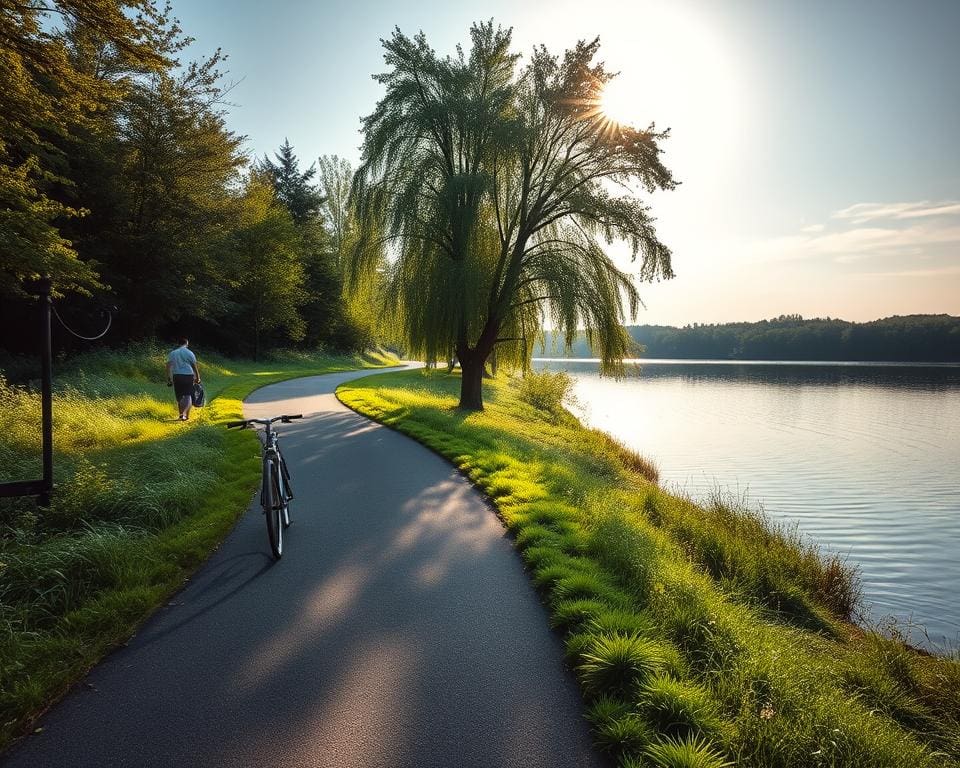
x,y
120,179
910,338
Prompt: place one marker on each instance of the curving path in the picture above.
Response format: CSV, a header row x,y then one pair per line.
x,y
398,630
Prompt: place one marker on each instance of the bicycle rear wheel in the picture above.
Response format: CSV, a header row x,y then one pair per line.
x,y
272,507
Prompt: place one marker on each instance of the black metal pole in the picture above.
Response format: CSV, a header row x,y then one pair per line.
x,y
46,390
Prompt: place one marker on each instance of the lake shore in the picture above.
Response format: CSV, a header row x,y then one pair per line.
x,y
852,455
708,626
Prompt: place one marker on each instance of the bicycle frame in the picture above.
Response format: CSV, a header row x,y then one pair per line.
x,y
271,452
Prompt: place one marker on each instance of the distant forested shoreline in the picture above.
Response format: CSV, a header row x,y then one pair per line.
x,y
909,338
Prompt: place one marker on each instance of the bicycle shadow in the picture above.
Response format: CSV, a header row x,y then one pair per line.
x,y
214,581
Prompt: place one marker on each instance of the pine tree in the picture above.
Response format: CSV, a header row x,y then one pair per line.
x,y
293,188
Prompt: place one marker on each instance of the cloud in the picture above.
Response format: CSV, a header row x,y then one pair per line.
x,y
861,213
908,231
860,243
941,272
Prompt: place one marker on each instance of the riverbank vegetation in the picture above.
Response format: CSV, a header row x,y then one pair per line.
x,y
701,635
141,499
912,338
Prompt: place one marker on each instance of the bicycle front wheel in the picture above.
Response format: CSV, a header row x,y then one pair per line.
x,y
273,506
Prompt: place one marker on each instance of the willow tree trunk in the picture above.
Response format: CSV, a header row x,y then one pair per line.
x,y
473,365
471,381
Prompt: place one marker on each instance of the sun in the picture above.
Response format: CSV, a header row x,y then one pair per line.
x,y
619,101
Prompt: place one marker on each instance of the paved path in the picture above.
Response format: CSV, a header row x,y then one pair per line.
x,y
398,630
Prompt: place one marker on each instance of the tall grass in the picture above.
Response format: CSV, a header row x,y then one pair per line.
x,y
702,635
140,499
757,559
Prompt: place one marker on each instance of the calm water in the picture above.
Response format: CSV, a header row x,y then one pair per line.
x,y
865,458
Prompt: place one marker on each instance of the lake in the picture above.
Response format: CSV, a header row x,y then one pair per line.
x,y
864,458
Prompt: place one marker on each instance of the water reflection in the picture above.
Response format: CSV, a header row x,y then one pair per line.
x,y
932,377
864,458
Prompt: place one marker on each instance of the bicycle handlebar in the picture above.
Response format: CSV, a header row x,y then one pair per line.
x,y
286,419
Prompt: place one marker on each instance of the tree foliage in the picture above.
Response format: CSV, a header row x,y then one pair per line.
x,y
44,93
335,181
496,188
324,226
265,252
120,179
174,164
363,320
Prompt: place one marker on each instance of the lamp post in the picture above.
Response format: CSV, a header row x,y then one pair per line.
x,y
46,391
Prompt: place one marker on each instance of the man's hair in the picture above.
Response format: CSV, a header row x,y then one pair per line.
x,y
183,340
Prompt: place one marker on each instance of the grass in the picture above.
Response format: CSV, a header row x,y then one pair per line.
x,y
141,499
701,635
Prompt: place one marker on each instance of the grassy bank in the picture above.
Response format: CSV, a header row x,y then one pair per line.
x,y
701,635
141,499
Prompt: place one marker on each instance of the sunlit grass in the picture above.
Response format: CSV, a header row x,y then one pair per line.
x,y
701,635
140,500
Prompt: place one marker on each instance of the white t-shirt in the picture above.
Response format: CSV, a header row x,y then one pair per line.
x,y
182,360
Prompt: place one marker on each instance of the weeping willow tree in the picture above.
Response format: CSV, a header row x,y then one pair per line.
x,y
494,188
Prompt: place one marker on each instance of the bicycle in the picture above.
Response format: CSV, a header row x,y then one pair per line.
x,y
275,490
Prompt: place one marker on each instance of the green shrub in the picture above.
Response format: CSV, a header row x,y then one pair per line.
x,y
576,645
626,734
546,391
540,555
618,663
679,708
760,560
605,708
684,753
624,621
587,585
628,457
705,636
570,614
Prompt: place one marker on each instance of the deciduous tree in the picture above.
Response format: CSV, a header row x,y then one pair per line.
x,y
44,93
496,190
265,252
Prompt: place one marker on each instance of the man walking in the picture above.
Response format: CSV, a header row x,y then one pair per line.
x,y
182,373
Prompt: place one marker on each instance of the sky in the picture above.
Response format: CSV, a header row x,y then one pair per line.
x,y
816,141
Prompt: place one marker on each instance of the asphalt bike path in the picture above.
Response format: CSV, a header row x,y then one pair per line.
x,y
399,629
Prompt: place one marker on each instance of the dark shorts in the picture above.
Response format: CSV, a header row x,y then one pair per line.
x,y
182,385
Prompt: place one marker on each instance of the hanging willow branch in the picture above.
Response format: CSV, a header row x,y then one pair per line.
x,y
489,186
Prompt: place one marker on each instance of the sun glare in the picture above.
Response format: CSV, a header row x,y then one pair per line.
x,y
619,102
